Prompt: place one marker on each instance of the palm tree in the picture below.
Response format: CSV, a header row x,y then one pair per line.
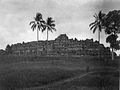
x,y
97,24
112,39
49,26
38,24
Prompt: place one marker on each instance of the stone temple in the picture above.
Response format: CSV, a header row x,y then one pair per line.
x,y
61,46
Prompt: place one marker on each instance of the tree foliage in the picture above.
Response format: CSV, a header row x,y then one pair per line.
x,y
8,49
112,28
98,23
38,22
49,25
112,39
112,22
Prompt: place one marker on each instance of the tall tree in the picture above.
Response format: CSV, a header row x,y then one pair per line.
x,y
97,24
49,26
38,24
114,45
112,28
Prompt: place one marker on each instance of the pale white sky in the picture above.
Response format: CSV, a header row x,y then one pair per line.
x,y
71,17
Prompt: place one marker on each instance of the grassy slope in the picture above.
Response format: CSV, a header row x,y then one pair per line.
x,y
25,72
32,77
89,82
19,72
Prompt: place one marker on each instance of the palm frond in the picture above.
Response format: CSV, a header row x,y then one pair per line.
x,y
100,15
92,26
92,23
33,27
94,29
50,20
42,21
52,25
32,22
54,29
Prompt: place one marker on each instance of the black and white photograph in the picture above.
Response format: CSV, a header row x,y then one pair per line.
x,y
59,44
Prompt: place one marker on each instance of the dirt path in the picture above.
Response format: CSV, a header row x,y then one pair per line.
x,y
59,82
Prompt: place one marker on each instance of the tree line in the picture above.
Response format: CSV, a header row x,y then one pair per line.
x,y
110,24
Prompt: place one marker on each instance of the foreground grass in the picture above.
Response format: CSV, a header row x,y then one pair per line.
x,y
29,72
27,75
93,81
99,80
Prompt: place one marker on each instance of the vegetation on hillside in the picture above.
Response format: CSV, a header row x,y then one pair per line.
x,y
110,22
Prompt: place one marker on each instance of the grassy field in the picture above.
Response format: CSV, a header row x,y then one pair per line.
x,y
25,76
18,72
93,81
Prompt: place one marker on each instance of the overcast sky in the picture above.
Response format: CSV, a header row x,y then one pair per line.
x,y
71,17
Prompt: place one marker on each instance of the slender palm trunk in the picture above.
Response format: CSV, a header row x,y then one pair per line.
x,y
37,35
112,54
99,43
47,43
99,36
37,40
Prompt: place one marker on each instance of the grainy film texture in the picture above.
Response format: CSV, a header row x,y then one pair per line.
x,y
59,44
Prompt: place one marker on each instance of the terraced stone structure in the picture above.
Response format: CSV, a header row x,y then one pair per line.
x,y
61,46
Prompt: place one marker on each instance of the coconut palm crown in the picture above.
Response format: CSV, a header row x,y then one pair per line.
x,y
38,24
49,25
98,23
